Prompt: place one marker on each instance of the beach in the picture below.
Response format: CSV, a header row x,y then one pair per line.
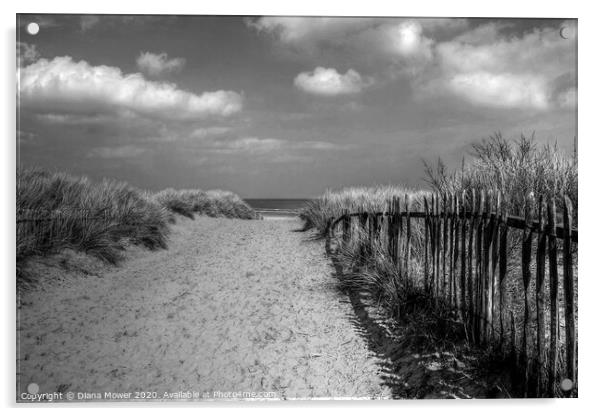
x,y
232,306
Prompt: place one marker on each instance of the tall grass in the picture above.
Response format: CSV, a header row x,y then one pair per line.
x,y
334,203
57,211
214,203
514,167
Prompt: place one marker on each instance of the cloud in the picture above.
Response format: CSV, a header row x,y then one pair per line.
x,y
410,42
119,152
88,21
62,85
309,31
157,64
372,40
205,132
484,67
499,90
493,64
26,53
255,145
327,81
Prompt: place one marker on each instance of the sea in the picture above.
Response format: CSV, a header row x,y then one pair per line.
x,y
277,208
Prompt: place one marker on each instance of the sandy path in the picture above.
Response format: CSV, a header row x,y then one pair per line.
x,y
232,306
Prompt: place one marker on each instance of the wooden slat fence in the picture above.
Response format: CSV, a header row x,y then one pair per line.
x,y
461,250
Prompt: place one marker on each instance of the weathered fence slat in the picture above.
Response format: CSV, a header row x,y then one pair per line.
x,y
526,272
539,295
456,242
444,276
503,237
408,247
569,307
465,259
364,230
470,279
494,260
553,267
433,228
486,266
463,256
479,270
513,353
398,228
437,247
426,245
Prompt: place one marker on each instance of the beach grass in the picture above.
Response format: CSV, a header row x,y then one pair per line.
x,y
57,211
213,203
335,203
515,167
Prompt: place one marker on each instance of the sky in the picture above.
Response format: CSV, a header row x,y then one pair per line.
x,y
284,107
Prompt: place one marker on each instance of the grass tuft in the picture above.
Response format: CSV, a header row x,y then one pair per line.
x,y
57,211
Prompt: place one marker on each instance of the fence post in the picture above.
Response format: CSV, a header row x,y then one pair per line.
x,y
364,235
513,353
553,267
390,230
444,255
526,272
470,280
539,294
346,229
398,229
456,241
494,259
486,264
479,270
569,307
437,246
433,227
374,233
503,236
463,257
426,244
408,239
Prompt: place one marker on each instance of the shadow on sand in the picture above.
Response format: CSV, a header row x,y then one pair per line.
x,y
414,364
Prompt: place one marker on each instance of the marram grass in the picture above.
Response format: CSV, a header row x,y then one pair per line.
x,y
57,211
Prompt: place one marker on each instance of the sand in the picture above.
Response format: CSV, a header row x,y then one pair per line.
x,y
232,308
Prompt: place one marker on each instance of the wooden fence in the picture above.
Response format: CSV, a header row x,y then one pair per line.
x,y
457,248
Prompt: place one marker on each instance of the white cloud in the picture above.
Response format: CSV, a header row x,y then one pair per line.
x,y
256,145
491,64
410,41
374,42
157,64
310,31
62,85
327,81
482,66
500,90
